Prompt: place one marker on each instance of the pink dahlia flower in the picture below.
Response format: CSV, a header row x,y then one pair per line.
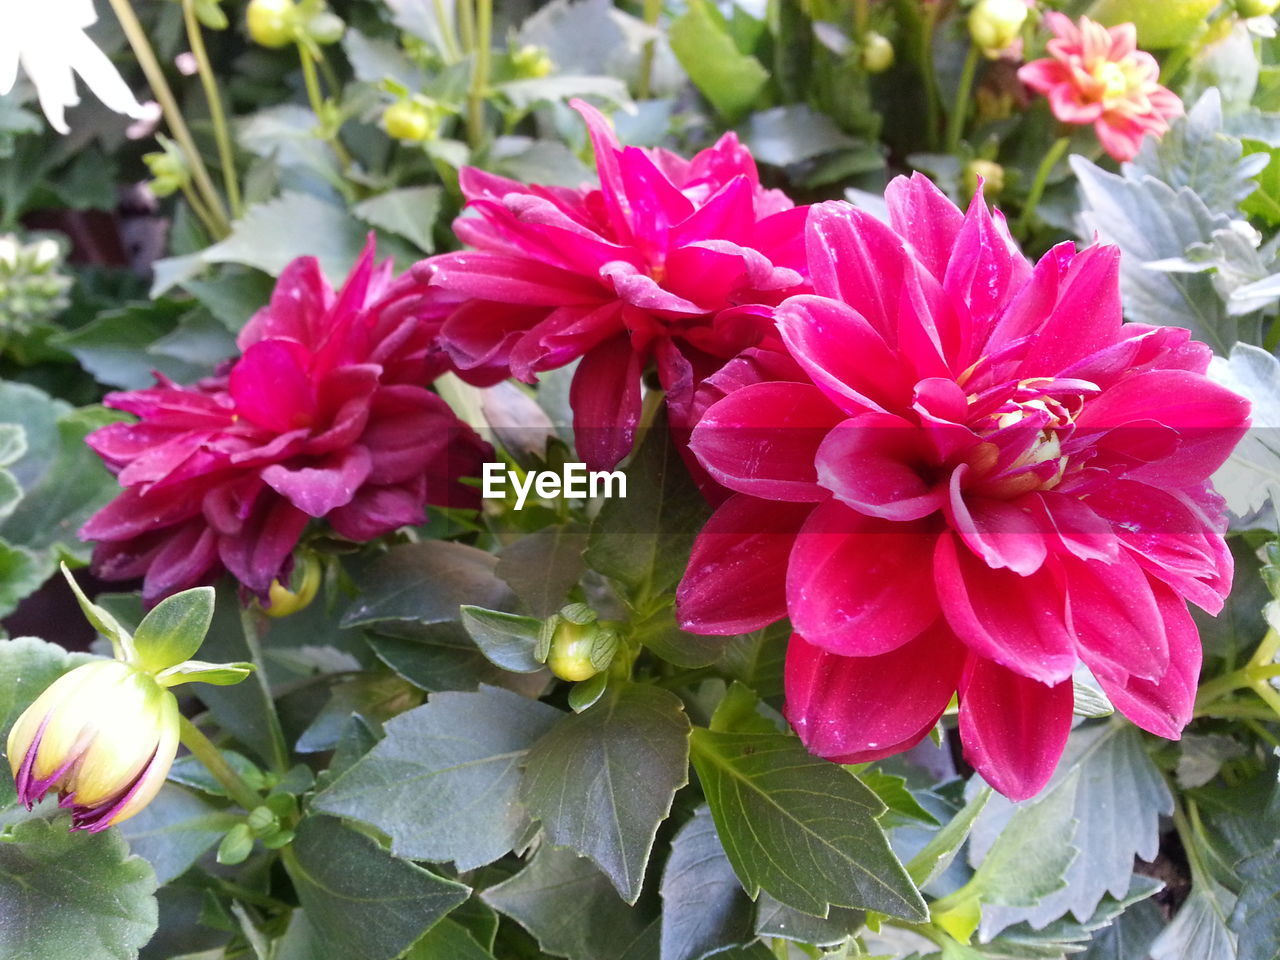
x,y
966,477
323,416
664,262
1098,75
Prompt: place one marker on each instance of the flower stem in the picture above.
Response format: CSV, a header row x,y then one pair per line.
x,y
316,98
199,209
479,71
221,133
955,122
202,749
929,74
652,10
448,34
137,38
249,627
1051,158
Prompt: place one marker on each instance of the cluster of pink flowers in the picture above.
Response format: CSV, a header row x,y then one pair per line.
x,y
325,416
957,473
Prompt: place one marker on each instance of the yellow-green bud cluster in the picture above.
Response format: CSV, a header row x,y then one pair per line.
x,y
413,119
531,62
281,23
32,288
994,25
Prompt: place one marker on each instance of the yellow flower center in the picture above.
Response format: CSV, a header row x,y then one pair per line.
x,y
1113,79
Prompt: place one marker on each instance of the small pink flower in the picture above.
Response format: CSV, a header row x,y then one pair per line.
x,y
324,416
965,476
666,262
1098,75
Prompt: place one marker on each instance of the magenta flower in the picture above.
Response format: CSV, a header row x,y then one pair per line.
x,y
967,477
323,417
668,261
1098,75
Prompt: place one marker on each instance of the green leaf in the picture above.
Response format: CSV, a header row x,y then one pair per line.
x,y
1256,918
73,895
174,629
99,618
1251,474
22,573
174,830
448,940
115,346
272,234
794,133
936,855
800,828
13,443
409,212
643,540
730,79
893,793
508,640
1264,203
423,582
527,94
1111,787
774,919
1200,927
602,781
757,659
198,671
436,657
569,907
362,901
661,635
1129,936
542,567
374,697
704,907
1150,221
232,294
458,756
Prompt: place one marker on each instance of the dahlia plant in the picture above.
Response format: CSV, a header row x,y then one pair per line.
x,y
649,481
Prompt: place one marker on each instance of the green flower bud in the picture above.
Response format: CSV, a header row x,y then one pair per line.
x,y
272,23
531,62
103,735
325,28
411,121
236,845
579,646
1256,8
991,174
995,24
877,53
32,290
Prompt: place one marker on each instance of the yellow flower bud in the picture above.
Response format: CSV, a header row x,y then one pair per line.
x,y
284,600
531,62
272,23
1256,8
103,735
995,24
877,53
991,173
411,121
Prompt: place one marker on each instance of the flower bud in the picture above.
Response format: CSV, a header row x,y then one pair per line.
x,y
272,23
577,647
325,28
299,594
877,53
103,735
531,62
995,24
411,121
32,290
989,172
1256,8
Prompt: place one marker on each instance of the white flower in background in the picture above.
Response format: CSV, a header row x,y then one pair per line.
x,y
47,38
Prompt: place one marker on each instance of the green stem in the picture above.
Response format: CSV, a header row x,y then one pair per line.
x,y
1051,158
316,98
652,10
1236,710
479,71
448,34
221,133
249,627
202,749
955,122
861,17
200,210
932,108
141,46
1199,870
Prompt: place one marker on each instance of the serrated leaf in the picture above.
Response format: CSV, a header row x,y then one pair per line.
x,y
272,234
774,919
363,901
1255,921
704,907
526,94
1251,474
73,895
1199,929
893,793
114,346
435,657
424,582
801,828
1129,936
936,855
410,212
1150,221
448,940
1116,794
603,780
1264,203
569,907
542,567
458,756
730,79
